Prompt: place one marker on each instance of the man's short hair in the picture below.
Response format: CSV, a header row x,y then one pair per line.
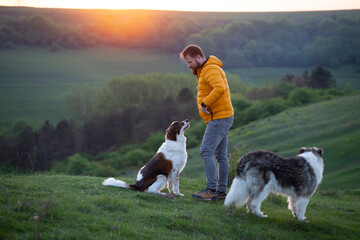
x,y
192,51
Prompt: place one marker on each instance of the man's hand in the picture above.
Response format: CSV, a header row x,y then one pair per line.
x,y
205,110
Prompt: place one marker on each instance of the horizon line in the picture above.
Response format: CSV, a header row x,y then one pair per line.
x,y
173,10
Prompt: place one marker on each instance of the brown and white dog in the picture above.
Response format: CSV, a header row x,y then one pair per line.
x,y
165,167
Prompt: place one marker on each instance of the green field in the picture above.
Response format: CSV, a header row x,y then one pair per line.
x,y
75,207
34,82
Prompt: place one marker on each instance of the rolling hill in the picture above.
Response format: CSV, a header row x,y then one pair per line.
x,y
332,125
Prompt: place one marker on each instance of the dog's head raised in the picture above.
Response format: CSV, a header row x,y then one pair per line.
x,y
175,131
315,150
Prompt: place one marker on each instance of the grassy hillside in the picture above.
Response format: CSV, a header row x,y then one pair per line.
x,y
74,207
34,82
332,125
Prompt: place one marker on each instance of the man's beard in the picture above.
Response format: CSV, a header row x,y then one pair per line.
x,y
197,66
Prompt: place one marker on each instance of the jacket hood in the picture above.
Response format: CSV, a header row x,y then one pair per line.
x,y
212,60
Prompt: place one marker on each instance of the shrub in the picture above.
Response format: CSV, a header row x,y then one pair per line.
x,y
114,160
348,89
274,106
78,165
301,96
252,113
137,157
59,166
284,89
103,171
195,133
234,158
154,141
128,147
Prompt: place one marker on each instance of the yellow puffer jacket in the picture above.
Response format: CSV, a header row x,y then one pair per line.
x,y
213,90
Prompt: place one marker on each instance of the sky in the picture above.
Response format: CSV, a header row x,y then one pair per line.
x,y
195,5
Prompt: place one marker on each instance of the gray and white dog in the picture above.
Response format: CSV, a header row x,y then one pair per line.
x,y
262,172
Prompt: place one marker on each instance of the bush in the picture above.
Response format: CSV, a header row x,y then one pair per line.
x,y
255,111
234,158
348,89
239,104
283,89
195,133
137,157
128,147
154,141
59,166
301,96
274,106
114,160
78,165
103,171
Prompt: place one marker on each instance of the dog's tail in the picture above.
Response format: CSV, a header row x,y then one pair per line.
x,y
115,183
238,193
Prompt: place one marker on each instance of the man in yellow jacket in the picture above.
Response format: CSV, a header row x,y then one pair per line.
x,y
215,108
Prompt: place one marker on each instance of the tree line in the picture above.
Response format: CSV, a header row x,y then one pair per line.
x,y
277,42
36,150
102,141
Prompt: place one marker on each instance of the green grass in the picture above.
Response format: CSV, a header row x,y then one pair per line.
x,y
332,125
75,207
34,82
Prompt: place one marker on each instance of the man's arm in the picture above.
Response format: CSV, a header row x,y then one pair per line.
x,y
214,79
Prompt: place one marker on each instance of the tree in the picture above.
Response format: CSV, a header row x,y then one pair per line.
x,y
45,152
321,78
5,152
65,140
25,149
81,102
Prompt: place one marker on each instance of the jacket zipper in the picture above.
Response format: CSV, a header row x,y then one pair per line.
x,y
209,108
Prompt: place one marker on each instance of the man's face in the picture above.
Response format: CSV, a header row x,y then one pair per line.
x,y
192,63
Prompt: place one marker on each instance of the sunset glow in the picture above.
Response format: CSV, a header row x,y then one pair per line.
x,y
190,5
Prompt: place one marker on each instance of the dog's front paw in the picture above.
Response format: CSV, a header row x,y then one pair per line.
x,y
302,219
260,214
168,195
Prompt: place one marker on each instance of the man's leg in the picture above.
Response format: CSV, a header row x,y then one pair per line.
x,y
215,145
212,137
223,161
222,158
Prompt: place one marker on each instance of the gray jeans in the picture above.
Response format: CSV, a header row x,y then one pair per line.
x,y
214,146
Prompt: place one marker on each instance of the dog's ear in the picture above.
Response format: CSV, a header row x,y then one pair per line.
x,y
320,151
302,150
170,133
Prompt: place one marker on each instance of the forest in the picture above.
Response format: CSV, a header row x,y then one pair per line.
x,y
272,42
